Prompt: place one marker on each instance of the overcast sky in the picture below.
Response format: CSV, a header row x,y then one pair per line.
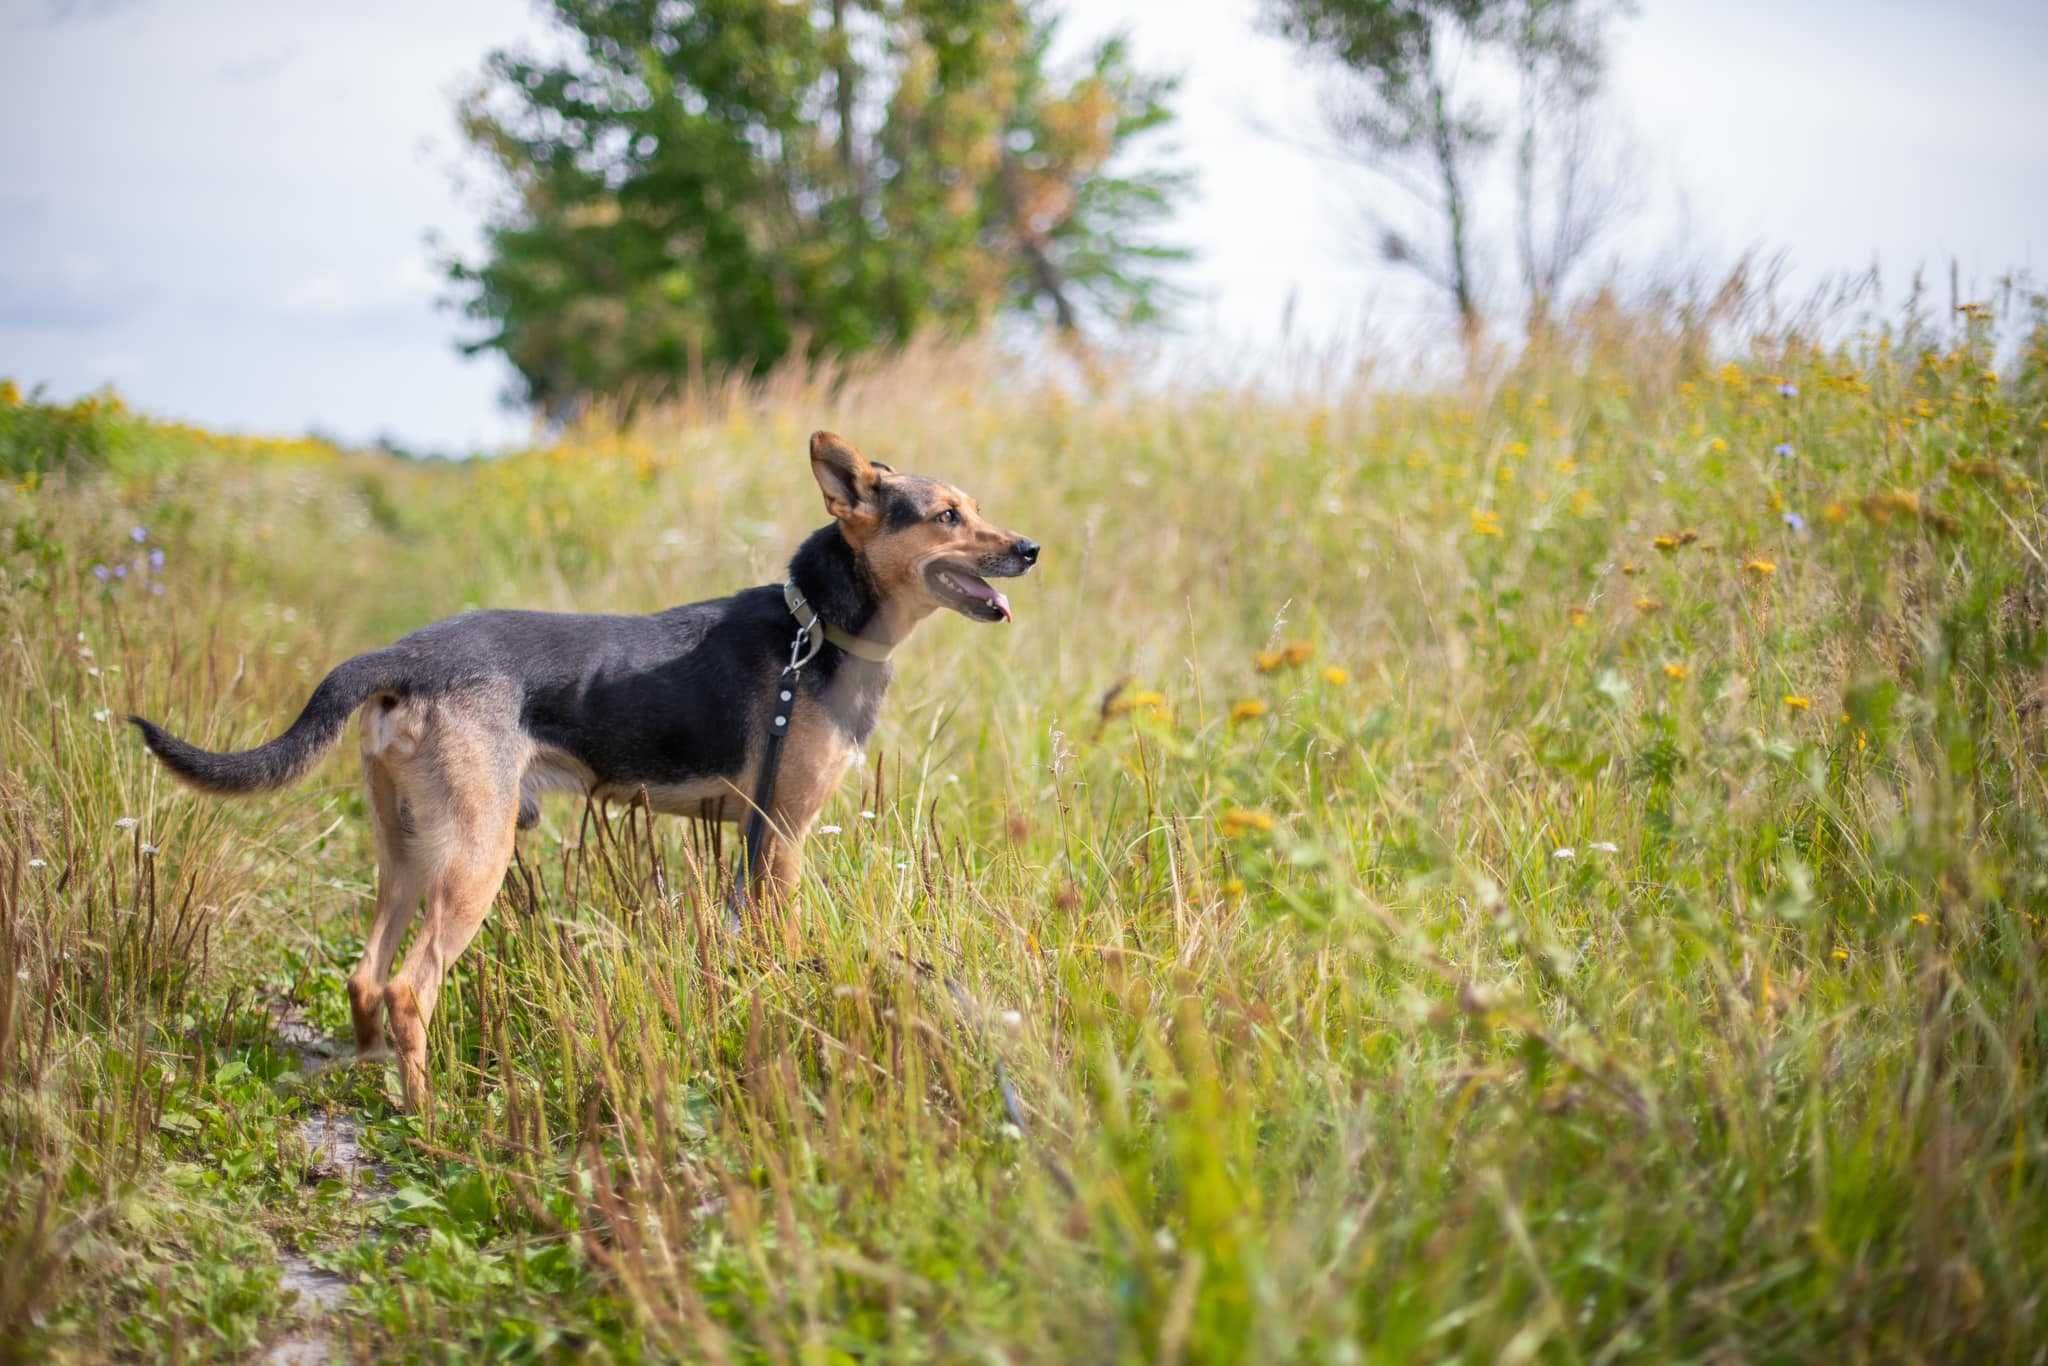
x,y
225,208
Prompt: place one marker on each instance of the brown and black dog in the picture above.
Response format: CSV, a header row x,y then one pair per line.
x,y
467,721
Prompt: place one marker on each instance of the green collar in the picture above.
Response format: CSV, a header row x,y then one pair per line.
x,y
820,630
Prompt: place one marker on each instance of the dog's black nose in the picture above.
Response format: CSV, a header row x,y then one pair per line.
x,y
1028,549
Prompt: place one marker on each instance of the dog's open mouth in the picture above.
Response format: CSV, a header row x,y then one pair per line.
x,y
967,592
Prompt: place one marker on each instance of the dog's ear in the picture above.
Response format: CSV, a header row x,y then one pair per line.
x,y
845,478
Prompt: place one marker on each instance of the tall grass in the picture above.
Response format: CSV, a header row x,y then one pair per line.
x,y
1536,872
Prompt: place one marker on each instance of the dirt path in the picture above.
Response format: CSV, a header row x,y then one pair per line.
x,y
335,1141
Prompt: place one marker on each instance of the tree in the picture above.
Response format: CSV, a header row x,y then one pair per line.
x,y
1404,113
717,184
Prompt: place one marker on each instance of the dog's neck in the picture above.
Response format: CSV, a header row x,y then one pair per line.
x,y
835,581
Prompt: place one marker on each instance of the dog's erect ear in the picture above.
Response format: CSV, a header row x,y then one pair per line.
x,y
845,477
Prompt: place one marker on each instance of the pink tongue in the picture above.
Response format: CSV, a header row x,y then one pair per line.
x,y
1001,604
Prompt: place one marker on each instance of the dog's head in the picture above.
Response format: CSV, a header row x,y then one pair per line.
x,y
924,542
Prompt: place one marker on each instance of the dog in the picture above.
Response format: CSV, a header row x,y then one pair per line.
x,y
465,723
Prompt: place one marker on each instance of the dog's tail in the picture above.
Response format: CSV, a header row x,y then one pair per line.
x,y
290,754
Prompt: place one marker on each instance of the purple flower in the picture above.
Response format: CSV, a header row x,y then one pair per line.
x,y
157,589
138,534
1784,449
1788,390
156,558
120,571
100,572
1795,521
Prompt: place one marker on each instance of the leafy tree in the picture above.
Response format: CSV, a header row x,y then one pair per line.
x,y
715,184
1405,114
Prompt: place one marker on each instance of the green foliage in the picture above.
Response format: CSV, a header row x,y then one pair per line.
x,y
1421,878
706,188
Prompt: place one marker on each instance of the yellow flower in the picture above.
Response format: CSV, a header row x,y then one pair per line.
x,y
1265,661
1833,512
1922,918
1506,474
1675,670
1234,888
1578,616
1336,677
1763,569
1485,522
1251,708
1648,604
10,394
1798,702
1144,699
1515,450
1238,822
1564,464
1666,543
1841,955
1583,504
1631,568
1299,651
1718,446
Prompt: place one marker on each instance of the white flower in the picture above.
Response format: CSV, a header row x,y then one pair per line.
x,y
38,863
902,864
126,823
102,714
1009,1132
1605,846
1566,852
1012,1019
828,829
867,815
149,849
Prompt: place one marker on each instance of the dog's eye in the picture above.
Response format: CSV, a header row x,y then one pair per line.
x,y
947,517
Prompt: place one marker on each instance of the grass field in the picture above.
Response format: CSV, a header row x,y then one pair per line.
x,y
1554,872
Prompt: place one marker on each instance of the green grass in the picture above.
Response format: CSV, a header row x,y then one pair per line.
x,y
1591,950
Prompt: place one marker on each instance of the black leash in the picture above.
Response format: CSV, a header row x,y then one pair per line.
x,y
782,708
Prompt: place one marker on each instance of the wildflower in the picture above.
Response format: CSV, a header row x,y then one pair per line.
x,y
1506,474
1719,446
120,571
1565,853
1833,512
102,573
1798,702
138,534
1796,522
1299,652
1762,568
1578,616
1249,709
1784,450
828,829
1515,450
1564,464
1584,504
126,823
1266,661
1787,389
1336,677
1234,888
1666,543
1841,955
1676,671
156,558
1238,822
1631,568
102,714
867,815
1605,846
38,863
149,851
1647,604
1012,1019
1144,699
1485,522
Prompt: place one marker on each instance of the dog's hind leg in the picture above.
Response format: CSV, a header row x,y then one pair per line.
x,y
477,759
400,881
